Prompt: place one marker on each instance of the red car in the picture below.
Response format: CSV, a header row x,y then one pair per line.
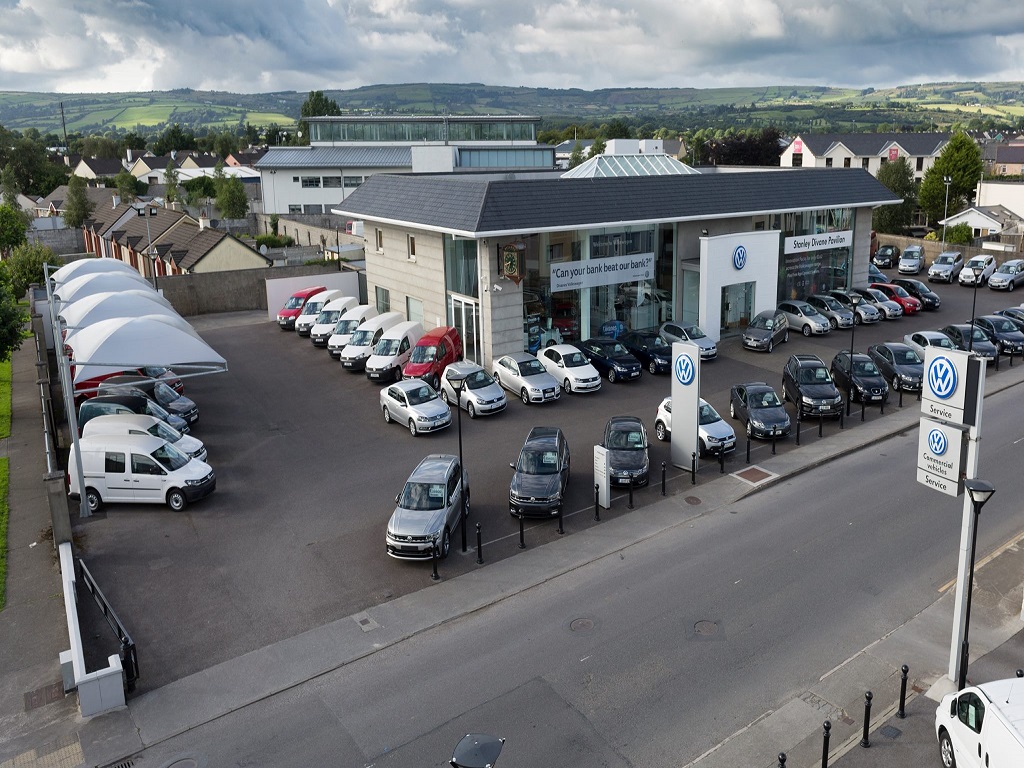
x,y
293,307
911,306
435,351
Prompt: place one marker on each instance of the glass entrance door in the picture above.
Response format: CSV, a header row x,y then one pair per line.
x,y
464,315
737,307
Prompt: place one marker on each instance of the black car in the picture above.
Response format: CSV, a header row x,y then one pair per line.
x,y
858,375
1002,331
929,299
625,440
155,390
541,474
650,349
899,363
807,382
886,256
127,402
611,359
961,334
1015,314
756,405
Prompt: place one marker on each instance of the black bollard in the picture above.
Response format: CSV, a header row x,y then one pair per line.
x,y
882,406
842,424
479,546
798,422
433,561
865,742
462,527
1020,673
826,729
721,462
560,531
901,397
663,478
629,504
773,441
862,410
748,449
849,400
693,468
901,712
919,391
1011,358
597,502
782,760
997,358
522,533
821,424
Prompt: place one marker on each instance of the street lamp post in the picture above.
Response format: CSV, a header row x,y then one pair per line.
x,y
146,211
980,492
854,302
947,180
458,382
978,271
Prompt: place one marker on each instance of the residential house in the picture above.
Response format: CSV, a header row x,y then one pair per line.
x,y
869,151
98,167
984,219
1009,160
150,168
248,157
53,203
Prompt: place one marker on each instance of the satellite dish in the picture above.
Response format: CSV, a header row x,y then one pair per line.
x,y
263,249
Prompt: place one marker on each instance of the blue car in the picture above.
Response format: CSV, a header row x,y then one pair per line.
x,y
650,348
611,359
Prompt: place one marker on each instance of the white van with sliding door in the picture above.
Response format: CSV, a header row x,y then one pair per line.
x,y
144,424
359,348
311,311
347,325
140,469
329,317
393,351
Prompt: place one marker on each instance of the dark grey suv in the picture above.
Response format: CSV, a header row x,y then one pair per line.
x,y
807,382
541,474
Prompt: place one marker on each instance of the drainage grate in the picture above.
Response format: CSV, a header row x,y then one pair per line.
x,y
890,732
129,763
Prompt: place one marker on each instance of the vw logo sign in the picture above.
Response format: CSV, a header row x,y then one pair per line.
x,y
942,378
739,257
685,370
937,442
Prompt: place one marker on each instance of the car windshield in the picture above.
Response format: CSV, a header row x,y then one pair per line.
x,y
762,321
1003,325
976,264
155,371
574,359
877,295
165,431
530,368
294,302
420,395
901,292
831,303
941,341
707,415
978,334
809,311
422,496
906,357
328,317
346,327
1006,269
164,394
169,457
694,332
909,254
387,347
478,380
764,399
361,338
534,462
425,354
626,440
864,368
814,376
313,308
657,342
154,409
613,350
945,258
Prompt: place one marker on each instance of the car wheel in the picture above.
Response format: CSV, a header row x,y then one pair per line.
x,y
1011,286
471,410
750,430
806,330
551,343
946,751
660,432
785,338
702,450
856,319
434,382
732,411
567,387
771,344
611,375
652,367
176,500
446,543
412,427
832,321
387,415
785,394
444,397
895,383
93,500
398,374
524,396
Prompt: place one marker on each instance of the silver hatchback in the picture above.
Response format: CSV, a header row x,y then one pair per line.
x,y
430,505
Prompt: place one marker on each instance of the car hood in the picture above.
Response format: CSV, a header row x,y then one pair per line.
x,y
818,391
540,380
409,522
413,370
940,268
627,459
757,333
539,486
432,408
719,429
705,343
775,415
181,405
626,361
909,369
870,382
490,392
188,444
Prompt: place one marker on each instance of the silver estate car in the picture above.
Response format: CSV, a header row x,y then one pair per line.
x,y
523,374
429,507
481,395
415,404
838,315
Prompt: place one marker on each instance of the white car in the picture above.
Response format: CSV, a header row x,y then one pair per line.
x,y
414,403
986,265
523,374
921,340
714,435
570,367
481,395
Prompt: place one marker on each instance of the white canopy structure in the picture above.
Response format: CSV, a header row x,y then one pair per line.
x,y
93,267
174,321
122,343
87,285
104,306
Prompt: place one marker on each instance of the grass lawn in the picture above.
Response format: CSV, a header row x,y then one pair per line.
x,y
5,431
5,399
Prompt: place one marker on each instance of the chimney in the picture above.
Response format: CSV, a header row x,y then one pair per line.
x,y
204,221
117,200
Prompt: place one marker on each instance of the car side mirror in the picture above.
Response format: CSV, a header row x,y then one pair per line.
x,y
511,465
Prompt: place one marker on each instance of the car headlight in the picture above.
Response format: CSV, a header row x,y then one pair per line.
x,y
713,440
619,368
758,424
195,482
535,389
807,400
424,419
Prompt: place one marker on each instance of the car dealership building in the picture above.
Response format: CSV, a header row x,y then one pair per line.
x,y
518,259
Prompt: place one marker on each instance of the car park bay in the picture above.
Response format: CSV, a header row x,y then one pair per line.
x,y
308,472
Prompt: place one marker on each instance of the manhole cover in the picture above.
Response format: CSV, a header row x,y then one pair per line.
x,y
692,500
581,625
705,628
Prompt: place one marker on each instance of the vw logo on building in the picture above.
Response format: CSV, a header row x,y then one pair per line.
x,y
942,377
739,257
685,370
937,442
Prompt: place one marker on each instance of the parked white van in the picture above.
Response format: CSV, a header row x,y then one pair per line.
x,y
347,325
323,328
143,424
359,348
141,469
312,308
392,351
982,725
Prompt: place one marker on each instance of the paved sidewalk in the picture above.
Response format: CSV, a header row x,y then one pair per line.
x,y
33,631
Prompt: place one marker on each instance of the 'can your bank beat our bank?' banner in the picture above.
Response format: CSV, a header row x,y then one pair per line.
x,y
572,275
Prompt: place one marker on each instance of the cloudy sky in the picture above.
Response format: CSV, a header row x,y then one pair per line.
x,y
269,45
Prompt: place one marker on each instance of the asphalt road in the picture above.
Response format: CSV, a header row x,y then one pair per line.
x,y
307,473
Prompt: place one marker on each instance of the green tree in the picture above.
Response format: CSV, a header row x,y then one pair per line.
x,y
576,156
618,129
9,187
225,143
960,162
315,105
78,207
12,322
232,201
132,140
127,187
173,139
25,266
960,234
12,229
199,189
101,146
598,147
171,192
898,176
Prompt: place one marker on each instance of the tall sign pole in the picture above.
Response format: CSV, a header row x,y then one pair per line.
x,y
685,402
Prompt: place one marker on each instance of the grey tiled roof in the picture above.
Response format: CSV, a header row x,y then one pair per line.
x,y
480,206
336,157
1012,154
872,144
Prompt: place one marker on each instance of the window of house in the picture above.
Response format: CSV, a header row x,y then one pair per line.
x,y
383,299
846,162
883,160
294,209
920,163
798,159
353,181
295,179
379,238
332,182
310,182
414,309
412,247
828,162
312,208
864,163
